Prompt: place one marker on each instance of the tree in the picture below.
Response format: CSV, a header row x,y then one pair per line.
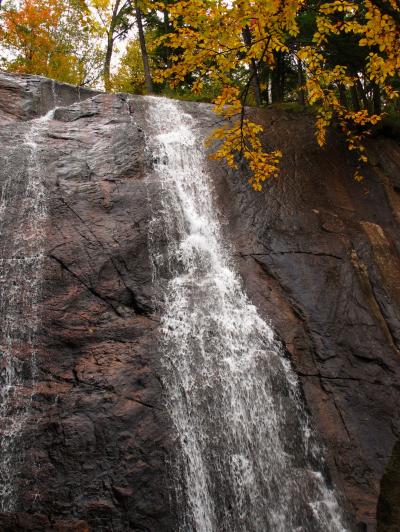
x,y
211,37
143,48
50,38
114,21
116,18
130,76
366,45
211,40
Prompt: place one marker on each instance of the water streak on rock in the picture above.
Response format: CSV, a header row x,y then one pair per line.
x,y
22,213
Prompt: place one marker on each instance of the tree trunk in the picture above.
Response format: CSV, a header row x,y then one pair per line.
x,y
107,63
361,92
354,98
376,96
278,78
343,96
255,80
301,96
110,47
282,77
143,48
267,83
166,21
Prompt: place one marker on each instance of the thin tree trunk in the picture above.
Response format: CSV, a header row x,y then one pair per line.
x,y
364,99
255,79
110,47
278,78
107,63
301,97
166,21
256,83
143,48
282,77
343,96
267,83
376,96
354,98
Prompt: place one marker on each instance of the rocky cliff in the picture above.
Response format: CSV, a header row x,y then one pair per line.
x,y
319,256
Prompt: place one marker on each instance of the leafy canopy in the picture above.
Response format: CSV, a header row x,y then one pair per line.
x,y
50,38
216,39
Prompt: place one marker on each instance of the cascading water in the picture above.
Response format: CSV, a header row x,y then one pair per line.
x,y
22,211
246,458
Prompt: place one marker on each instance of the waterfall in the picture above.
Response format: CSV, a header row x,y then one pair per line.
x,y
246,457
22,219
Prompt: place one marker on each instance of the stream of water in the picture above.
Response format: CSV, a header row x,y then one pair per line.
x,y
246,458
22,219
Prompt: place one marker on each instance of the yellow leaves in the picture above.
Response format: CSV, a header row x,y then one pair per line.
x,y
263,166
242,141
357,176
338,6
208,36
228,103
374,30
362,117
378,31
210,33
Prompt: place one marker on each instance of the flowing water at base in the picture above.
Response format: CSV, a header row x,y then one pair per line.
x,y
246,457
22,218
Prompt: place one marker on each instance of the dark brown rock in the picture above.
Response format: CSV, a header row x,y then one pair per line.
x,y
97,438
388,512
319,255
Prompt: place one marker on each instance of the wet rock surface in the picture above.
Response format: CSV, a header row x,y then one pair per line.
x,y
23,97
319,255
97,437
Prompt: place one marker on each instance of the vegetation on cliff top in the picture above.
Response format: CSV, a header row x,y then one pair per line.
x,y
340,56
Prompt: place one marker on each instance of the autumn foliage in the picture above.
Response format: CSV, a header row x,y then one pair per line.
x,y
31,31
341,58
51,38
235,42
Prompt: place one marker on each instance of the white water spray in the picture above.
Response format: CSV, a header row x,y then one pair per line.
x,y
246,457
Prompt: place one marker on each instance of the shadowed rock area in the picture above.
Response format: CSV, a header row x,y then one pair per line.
x,y
319,255
388,504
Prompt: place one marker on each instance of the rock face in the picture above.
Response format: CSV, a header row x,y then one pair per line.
x,y
23,97
97,436
319,255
